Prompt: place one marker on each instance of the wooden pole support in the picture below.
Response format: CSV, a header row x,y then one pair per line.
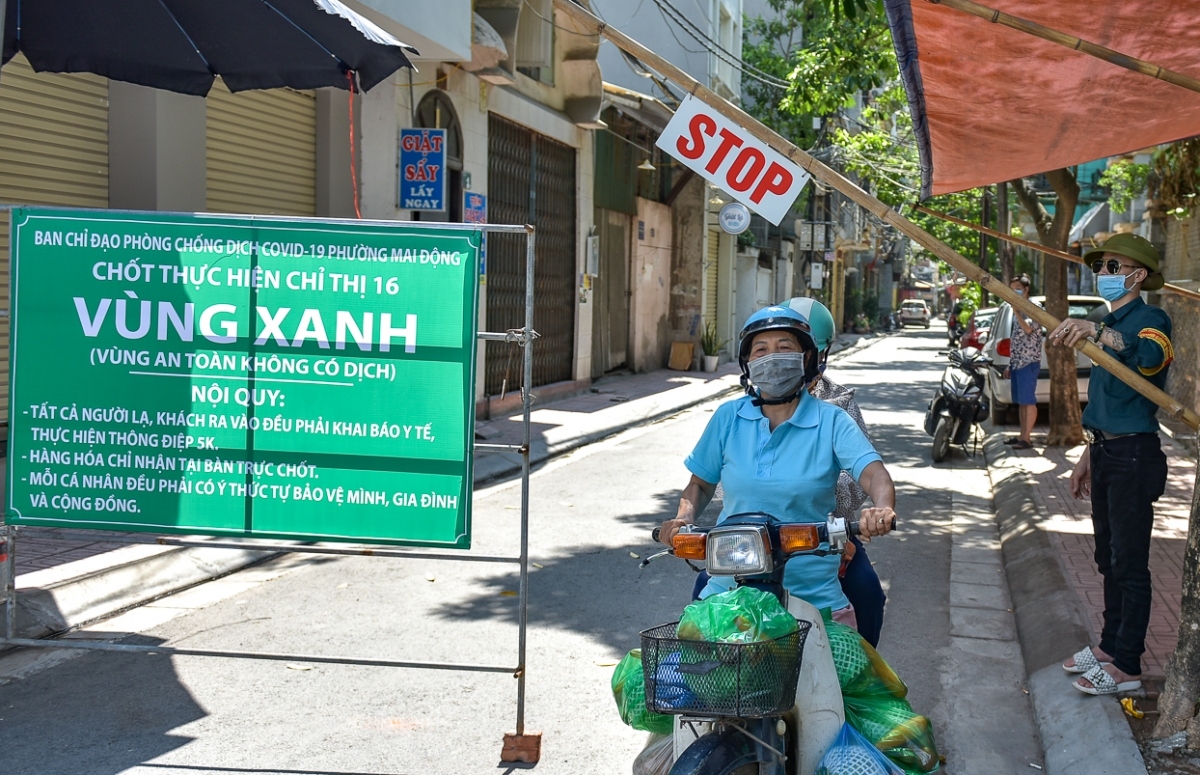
x,y
1168,287
526,748
831,177
1070,41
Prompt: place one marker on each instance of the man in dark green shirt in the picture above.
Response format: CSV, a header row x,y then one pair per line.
x,y
1123,468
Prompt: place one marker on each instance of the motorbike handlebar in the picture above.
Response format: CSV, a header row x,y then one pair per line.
x,y
852,529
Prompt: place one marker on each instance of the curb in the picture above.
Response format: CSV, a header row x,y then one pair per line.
x,y
1080,735
123,578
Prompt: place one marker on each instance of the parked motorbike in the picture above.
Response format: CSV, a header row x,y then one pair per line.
x,y
960,402
954,330
767,727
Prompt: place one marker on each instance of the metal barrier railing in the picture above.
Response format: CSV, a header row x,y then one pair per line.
x,y
517,747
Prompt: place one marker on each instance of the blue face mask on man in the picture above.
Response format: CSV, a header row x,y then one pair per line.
x,y
1111,286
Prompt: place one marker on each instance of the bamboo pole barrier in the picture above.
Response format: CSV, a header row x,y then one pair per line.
x,y
592,25
1078,44
1168,287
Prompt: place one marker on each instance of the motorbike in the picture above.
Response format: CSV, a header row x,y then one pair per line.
x,y
954,330
784,720
960,402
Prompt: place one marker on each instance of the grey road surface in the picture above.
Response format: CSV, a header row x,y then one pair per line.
x,y
103,714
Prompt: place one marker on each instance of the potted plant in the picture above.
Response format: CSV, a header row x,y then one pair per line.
x,y
861,324
711,345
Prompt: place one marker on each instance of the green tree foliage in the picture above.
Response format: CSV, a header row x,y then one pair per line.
x,y
881,150
1125,180
1177,176
826,50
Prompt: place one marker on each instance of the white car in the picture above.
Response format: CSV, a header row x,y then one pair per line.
x,y
998,348
914,312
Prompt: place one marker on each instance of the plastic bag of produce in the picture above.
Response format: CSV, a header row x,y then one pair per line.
x,y
629,690
741,615
722,670
900,733
861,671
657,757
853,754
876,704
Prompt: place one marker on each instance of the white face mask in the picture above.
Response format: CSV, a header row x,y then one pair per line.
x,y
777,375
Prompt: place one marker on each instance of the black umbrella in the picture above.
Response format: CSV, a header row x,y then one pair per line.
x,y
182,45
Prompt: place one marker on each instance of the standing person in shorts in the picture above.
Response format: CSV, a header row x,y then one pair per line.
x,y
1023,366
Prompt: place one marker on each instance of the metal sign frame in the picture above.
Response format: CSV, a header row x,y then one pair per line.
x,y
524,337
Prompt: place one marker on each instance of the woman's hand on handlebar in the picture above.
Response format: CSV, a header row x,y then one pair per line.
x,y
875,522
666,533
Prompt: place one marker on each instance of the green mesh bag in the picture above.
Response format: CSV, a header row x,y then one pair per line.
x,y
849,656
875,702
629,690
895,729
741,615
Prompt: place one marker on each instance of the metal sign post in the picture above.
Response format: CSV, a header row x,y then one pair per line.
x,y
213,301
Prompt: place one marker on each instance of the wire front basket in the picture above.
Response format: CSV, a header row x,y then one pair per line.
x,y
703,678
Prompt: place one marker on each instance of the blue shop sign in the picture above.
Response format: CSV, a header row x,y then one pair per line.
x,y
423,169
475,211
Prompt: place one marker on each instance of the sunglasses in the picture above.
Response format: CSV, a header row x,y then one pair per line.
x,y
1112,265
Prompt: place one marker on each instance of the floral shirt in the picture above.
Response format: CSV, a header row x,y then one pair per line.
x,y
1026,347
849,495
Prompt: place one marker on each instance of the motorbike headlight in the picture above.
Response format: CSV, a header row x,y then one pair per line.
x,y
738,551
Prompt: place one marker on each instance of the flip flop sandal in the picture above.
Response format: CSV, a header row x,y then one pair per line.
x,y
1103,683
1021,444
1085,660
1011,441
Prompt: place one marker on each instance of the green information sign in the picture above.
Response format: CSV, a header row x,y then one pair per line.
x,y
240,375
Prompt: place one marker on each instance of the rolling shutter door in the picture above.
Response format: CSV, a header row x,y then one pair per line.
x,y
710,276
261,151
53,151
530,177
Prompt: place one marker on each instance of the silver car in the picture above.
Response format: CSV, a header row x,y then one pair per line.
x,y
998,346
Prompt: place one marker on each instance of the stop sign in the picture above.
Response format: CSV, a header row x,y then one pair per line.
x,y
734,160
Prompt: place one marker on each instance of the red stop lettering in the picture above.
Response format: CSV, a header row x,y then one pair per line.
x,y
746,169
699,126
777,180
729,141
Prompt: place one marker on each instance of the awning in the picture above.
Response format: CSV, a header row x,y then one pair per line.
x,y
641,107
1082,224
182,45
990,103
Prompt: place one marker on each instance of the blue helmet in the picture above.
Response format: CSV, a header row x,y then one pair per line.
x,y
778,318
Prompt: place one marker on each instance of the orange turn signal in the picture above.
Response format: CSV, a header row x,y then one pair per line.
x,y
690,546
799,538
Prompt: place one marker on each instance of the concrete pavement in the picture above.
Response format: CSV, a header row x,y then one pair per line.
x,y
990,648
1058,596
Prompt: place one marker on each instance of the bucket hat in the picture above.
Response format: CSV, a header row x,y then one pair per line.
x,y
1137,248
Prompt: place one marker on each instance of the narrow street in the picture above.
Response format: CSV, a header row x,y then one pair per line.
x,y
947,632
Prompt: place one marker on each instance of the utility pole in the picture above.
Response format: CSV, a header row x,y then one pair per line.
x,y
986,219
1007,270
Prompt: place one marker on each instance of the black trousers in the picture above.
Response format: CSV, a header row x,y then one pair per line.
x,y
1128,475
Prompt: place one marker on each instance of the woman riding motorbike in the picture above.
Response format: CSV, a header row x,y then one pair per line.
x,y
781,451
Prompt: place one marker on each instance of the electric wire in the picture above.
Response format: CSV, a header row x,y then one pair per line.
x,y
716,48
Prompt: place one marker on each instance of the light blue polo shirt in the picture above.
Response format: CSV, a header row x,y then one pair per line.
x,y
790,473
